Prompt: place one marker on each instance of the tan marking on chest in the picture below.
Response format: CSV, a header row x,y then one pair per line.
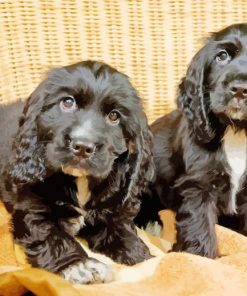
x,y
235,144
83,193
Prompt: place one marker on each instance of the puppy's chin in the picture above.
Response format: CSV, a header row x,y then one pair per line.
x,y
236,114
97,168
58,159
235,118
237,109
229,112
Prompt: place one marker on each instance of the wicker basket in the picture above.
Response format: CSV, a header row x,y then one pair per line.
x,y
152,41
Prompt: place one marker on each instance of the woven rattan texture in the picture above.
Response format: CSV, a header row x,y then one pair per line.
x,y
150,40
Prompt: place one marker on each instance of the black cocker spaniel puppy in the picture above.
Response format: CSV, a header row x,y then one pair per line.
x,y
81,157
200,148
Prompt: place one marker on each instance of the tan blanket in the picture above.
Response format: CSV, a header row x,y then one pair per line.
x,y
166,274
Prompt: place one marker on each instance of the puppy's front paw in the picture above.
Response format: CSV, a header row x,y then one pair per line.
x,y
90,271
138,253
100,271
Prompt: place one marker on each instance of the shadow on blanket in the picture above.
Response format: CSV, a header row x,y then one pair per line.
x,y
165,274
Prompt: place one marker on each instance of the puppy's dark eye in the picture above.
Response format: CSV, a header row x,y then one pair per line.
x,y
223,57
114,117
68,104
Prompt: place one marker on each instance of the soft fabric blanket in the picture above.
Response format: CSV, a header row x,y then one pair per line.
x,y
165,274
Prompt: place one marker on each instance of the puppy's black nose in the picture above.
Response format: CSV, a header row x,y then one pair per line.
x,y
84,150
239,91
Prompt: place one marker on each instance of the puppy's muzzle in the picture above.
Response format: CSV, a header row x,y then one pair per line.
x,y
82,147
238,89
238,93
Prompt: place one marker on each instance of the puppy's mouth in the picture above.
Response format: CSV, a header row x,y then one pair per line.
x,y
96,163
236,114
94,166
236,109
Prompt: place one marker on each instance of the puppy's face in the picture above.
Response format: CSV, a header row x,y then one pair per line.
x,y
87,119
227,77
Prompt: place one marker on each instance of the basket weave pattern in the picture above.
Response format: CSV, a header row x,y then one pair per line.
x,y
152,41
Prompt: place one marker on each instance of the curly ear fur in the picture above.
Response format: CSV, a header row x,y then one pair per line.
x,y
193,96
143,167
27,161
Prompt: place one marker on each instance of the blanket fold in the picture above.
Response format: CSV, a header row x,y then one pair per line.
x,y
165,274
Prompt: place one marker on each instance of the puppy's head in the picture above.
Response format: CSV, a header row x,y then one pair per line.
x,y
82,119
215,86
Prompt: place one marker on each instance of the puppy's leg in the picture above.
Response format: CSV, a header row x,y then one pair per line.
x,y
196,220
119,241
51,248
117,237
242,210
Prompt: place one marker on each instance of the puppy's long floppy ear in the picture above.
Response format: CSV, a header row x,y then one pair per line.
x,y
27,160
193,98
143,166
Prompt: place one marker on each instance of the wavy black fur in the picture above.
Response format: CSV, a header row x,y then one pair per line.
x,y
192,171
39,193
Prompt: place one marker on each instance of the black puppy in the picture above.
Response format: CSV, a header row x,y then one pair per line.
x,y
81,156
200,149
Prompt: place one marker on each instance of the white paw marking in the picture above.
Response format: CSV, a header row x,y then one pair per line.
x,y
77,274
101,272
90,271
